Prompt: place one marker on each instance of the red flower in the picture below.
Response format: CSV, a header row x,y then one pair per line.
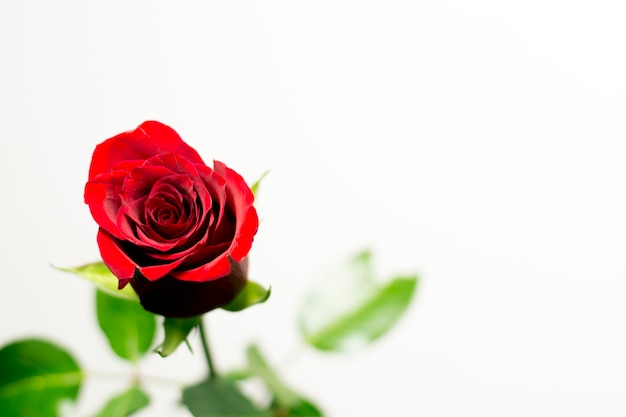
x,y
175,229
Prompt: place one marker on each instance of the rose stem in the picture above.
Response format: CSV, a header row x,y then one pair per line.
x,y
207,351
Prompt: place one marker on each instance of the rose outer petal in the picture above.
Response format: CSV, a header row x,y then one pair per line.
x,y
245,235
115,258
123,267
217,268
155,272
241,199
149,139
102,194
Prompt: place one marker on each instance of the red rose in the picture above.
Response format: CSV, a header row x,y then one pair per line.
x,y
175,229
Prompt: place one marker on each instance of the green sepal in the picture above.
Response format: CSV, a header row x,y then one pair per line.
x,y
36,377
351,309
99,274
255,187
286,402
176,332
218,397
127,326
126,403
250,295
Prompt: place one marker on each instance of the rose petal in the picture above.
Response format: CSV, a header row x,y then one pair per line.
x,y
175,162
245,235
122,266
239,190
154,243
102,196
149,139
225,230
240,198
140,181
217,268
129,216
154,272
115,258
134,220
216,184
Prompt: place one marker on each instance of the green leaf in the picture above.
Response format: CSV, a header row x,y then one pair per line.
x,y
286,401
303,409
259,367
99,274
351,309
36,376
176,332
125,404
251,294
237,375
219,398
255,186
128,327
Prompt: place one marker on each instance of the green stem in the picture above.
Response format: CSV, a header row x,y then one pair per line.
x,y
207,351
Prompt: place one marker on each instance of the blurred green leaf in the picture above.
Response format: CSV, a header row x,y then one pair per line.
x,y
99,274
286,402
36,376
350,309
255,186
219,398
302,409
238,375
176,332
259,367
369,321
251,294
125,404
128,327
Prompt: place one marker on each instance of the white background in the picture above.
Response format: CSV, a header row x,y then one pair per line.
x,y
478,143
